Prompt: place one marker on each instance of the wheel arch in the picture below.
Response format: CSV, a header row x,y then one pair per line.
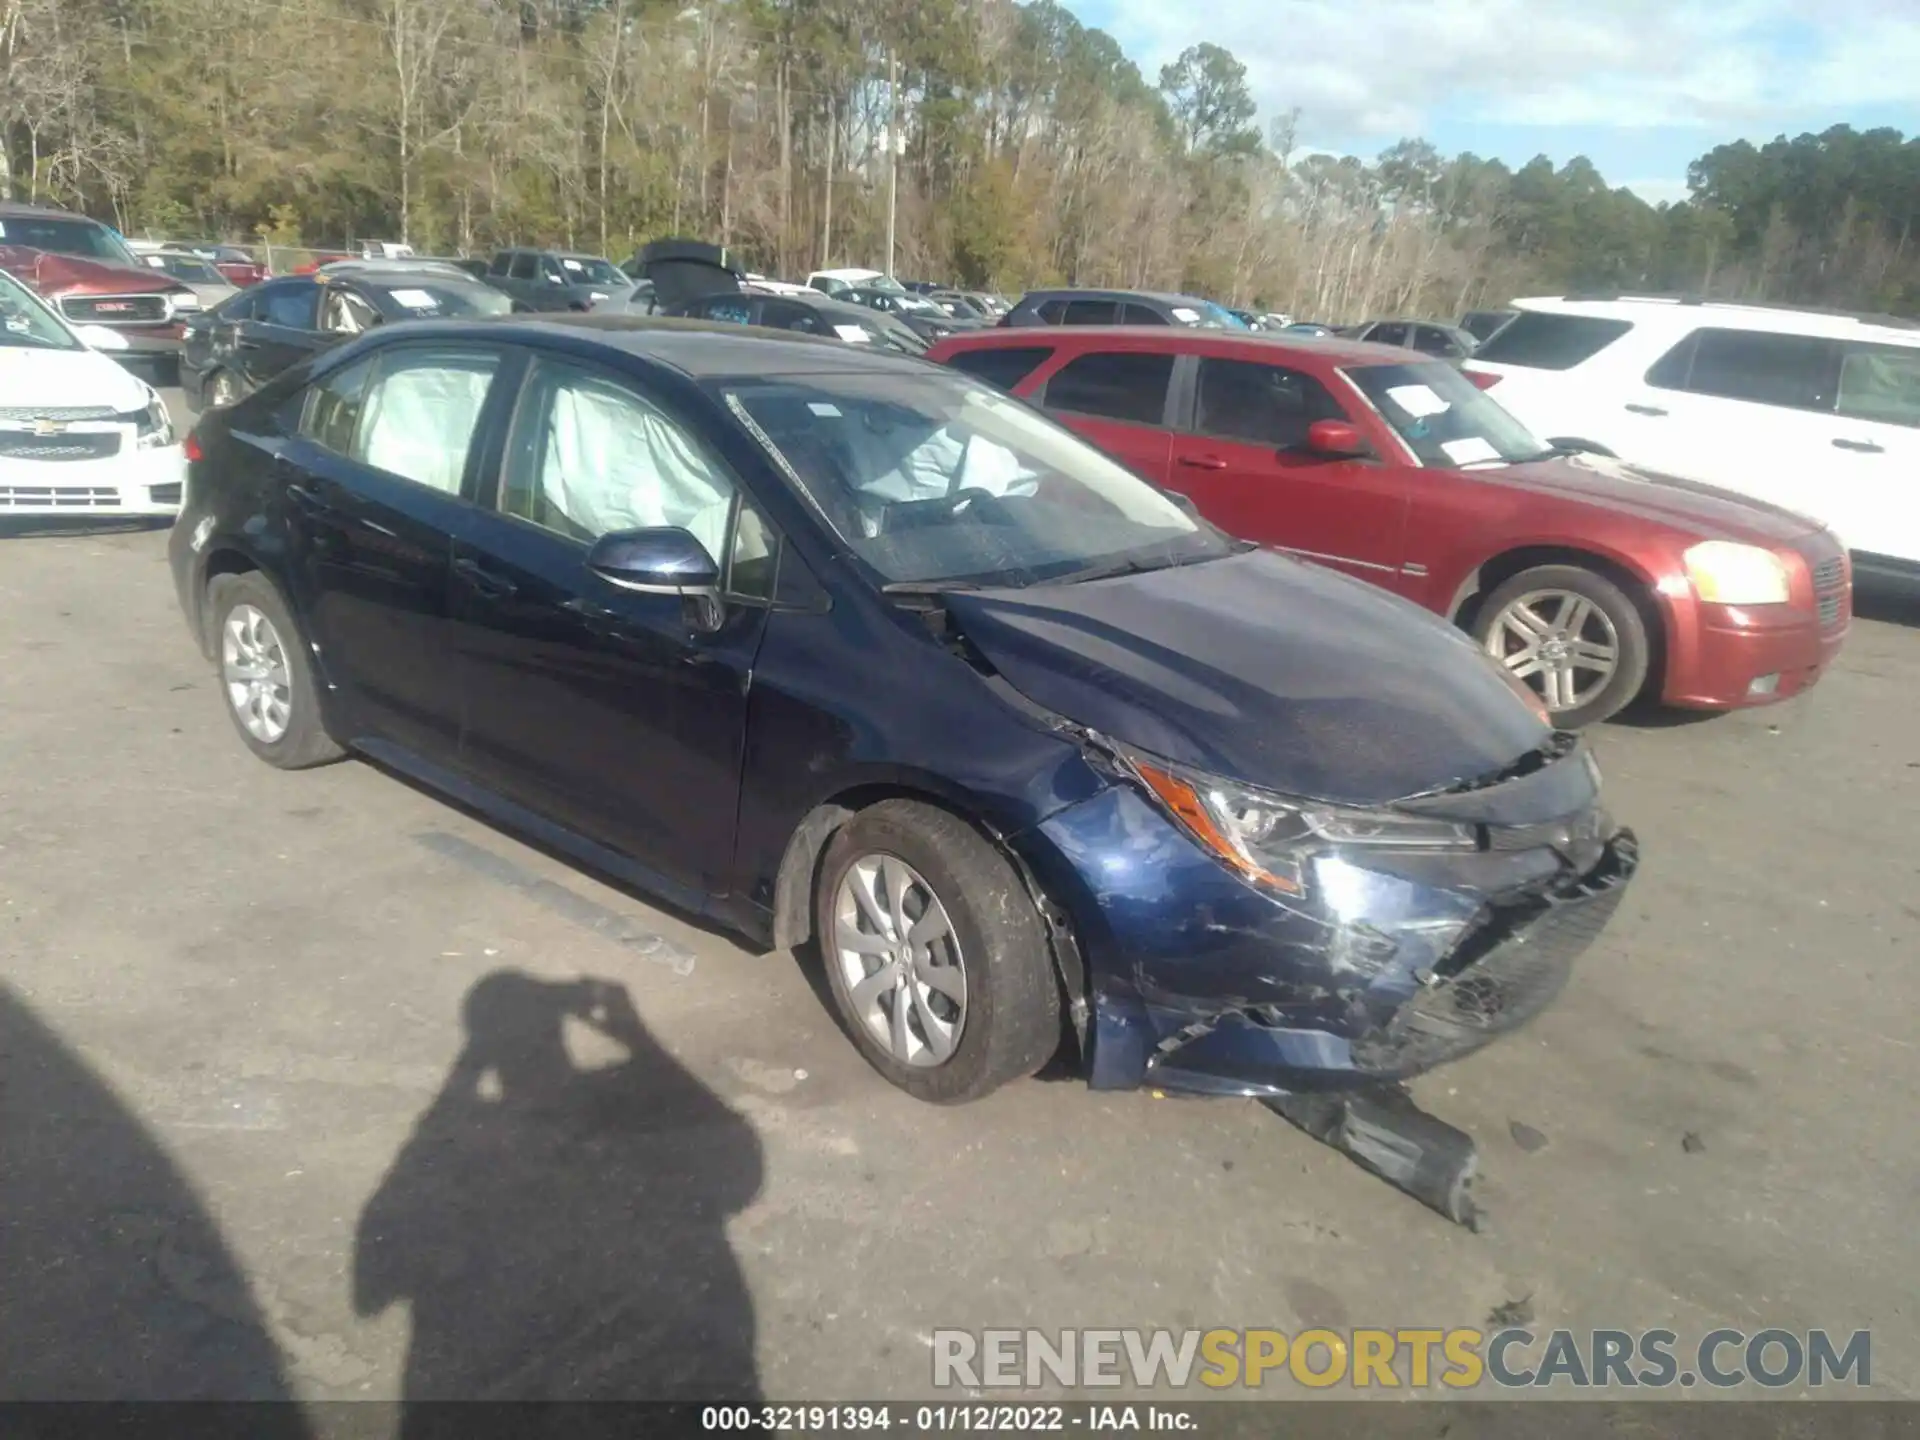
x,y
221,558
1639,586
799,874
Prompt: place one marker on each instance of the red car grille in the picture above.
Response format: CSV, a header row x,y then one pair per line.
x,y
1831,591
114,309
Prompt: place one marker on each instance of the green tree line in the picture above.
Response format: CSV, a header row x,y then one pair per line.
x,y
1020,146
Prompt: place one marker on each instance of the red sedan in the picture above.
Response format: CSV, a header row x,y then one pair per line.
x,y
1590,580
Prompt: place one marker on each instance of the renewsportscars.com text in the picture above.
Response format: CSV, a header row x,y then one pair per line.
x,y
1365,1359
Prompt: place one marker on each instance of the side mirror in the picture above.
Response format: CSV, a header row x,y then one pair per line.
x,y
663,560
1335,438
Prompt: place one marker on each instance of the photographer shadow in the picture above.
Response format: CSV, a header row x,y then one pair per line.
x,y
558,1224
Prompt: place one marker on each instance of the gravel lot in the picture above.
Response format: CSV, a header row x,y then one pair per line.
x,y
293,1103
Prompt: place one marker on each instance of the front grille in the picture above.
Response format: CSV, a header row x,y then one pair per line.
x,y
87,445
114,309
1830,590
65,497
167,494
1510,983
65,414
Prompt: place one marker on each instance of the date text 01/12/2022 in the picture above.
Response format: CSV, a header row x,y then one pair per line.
x,y
947,1419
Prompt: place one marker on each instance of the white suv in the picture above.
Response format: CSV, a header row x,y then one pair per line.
x,y
1818,411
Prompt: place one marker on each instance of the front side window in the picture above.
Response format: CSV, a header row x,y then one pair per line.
x,y
289,306
590,456
1880,383
1091,312
930,478
1795,371
589,270
1051,311
420,412
1445,419
732,310
1260,404
1135,314
1115,385
786,315
1391,333
500,263
330,416
1539,340
525,266
344,313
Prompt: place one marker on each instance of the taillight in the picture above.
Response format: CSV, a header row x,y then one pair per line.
x,y
190,447
1484,379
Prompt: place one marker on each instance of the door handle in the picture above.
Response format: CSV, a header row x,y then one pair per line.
x,y
1865,447
1646,410
494,587
1203,462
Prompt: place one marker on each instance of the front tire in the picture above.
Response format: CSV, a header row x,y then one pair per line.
x,y
265,676
1571,634
936,957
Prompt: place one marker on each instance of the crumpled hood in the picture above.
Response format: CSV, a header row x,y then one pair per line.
x,y
54,274
1261,669
62,379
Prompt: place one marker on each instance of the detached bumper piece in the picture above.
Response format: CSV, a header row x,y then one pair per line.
x,y
1505,972
1382,1130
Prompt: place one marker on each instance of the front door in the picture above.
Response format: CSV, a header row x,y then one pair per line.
x,y
375,483
1873,474
621,716
1243,459
280,332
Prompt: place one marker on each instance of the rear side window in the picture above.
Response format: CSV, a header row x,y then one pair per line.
x,y
1003,368
525,266
734,311
331,414
1051,310
1132,314
1119,385
1794,371
1091,312
419,414
500,263
1539,340
1260,404
1391,333
1880,382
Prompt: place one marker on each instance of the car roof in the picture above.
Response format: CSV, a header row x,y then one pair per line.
x,y
51,212
698,349
1070,292
1265,345
1680,313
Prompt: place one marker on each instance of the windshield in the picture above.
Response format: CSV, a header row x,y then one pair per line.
x,y
591,270
66,237
914,305
432,296
1203,315
933,478
1444,417
190,268
26,323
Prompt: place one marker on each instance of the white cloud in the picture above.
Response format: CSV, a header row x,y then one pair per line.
x,y
1379,69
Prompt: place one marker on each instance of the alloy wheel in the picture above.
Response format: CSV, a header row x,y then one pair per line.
x,y
253,667
1558,641
900,960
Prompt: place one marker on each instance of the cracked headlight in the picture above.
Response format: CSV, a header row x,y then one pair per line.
x,y
1724,572
1268,838
153,427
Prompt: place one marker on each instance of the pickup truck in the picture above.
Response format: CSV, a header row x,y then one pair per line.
x,y
555,279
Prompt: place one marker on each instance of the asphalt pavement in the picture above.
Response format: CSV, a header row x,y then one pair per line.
x,y
305,1094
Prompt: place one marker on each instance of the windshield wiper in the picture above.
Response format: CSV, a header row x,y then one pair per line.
x,y
1125,565
1552,452
925,587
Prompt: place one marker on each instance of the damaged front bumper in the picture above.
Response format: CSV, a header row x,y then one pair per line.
x,y
1388,964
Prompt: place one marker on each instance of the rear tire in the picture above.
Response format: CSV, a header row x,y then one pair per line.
x,y
1573,635
978,1004
266,678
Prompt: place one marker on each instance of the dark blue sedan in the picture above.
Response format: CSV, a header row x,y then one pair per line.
x,y
846,648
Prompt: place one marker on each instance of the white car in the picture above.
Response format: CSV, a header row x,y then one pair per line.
x,y
79,435
1818,411
836,282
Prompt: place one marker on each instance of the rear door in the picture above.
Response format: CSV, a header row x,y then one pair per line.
x,y
1242,457
1749,410
1118,399
377,484
1874,469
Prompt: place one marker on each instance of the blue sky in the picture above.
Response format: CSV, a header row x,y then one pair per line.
x,y
1640,87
